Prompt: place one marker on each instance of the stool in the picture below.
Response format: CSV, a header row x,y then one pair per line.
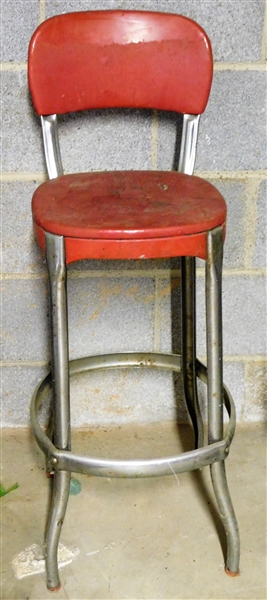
x,y
157,61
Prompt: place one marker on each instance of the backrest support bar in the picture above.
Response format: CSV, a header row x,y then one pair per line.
x,y
51,146
188,144
53,156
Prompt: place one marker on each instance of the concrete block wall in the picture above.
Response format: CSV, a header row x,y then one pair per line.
x,y
127,305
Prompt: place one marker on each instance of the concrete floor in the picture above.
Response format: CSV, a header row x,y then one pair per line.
x,y
146,538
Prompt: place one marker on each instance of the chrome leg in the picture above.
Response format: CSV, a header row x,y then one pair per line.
x,y
55,256
189,347
215,393
59,501
227,514
50,435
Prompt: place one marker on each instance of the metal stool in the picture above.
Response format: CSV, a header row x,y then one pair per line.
x,y
105,59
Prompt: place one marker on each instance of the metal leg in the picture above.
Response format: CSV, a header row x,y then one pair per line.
x,y
221,490
215,393
50,435
59,501
55,256
189,347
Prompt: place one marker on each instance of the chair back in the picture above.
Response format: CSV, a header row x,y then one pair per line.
x,y
115,58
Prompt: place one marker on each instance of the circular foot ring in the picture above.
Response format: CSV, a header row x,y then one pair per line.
x,y
232,573
187,461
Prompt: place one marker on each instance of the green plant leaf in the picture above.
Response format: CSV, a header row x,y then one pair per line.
x,y
3,492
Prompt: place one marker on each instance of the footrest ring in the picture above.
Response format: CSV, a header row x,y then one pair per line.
x,y
187,461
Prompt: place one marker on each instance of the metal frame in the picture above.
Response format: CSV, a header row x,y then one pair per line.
x,y
55,443
188,272
215,393
51,146
187,461
188,144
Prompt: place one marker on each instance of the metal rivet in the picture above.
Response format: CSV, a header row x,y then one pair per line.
x,y
54,461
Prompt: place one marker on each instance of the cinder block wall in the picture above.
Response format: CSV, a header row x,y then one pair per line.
x,y
120,306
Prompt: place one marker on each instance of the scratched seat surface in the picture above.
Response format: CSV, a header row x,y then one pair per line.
x,y
128,205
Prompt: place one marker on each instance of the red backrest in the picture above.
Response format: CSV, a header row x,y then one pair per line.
x,y
102,59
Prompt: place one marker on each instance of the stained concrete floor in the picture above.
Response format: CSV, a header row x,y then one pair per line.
x,y
147,538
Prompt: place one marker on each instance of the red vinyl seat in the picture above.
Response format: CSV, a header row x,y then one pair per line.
x,y
129,206
142,60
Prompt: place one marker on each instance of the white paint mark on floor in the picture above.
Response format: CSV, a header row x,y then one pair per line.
x,y
113,544
31,560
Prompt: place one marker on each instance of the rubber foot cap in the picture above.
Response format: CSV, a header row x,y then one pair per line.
x,y
55,589
231,573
